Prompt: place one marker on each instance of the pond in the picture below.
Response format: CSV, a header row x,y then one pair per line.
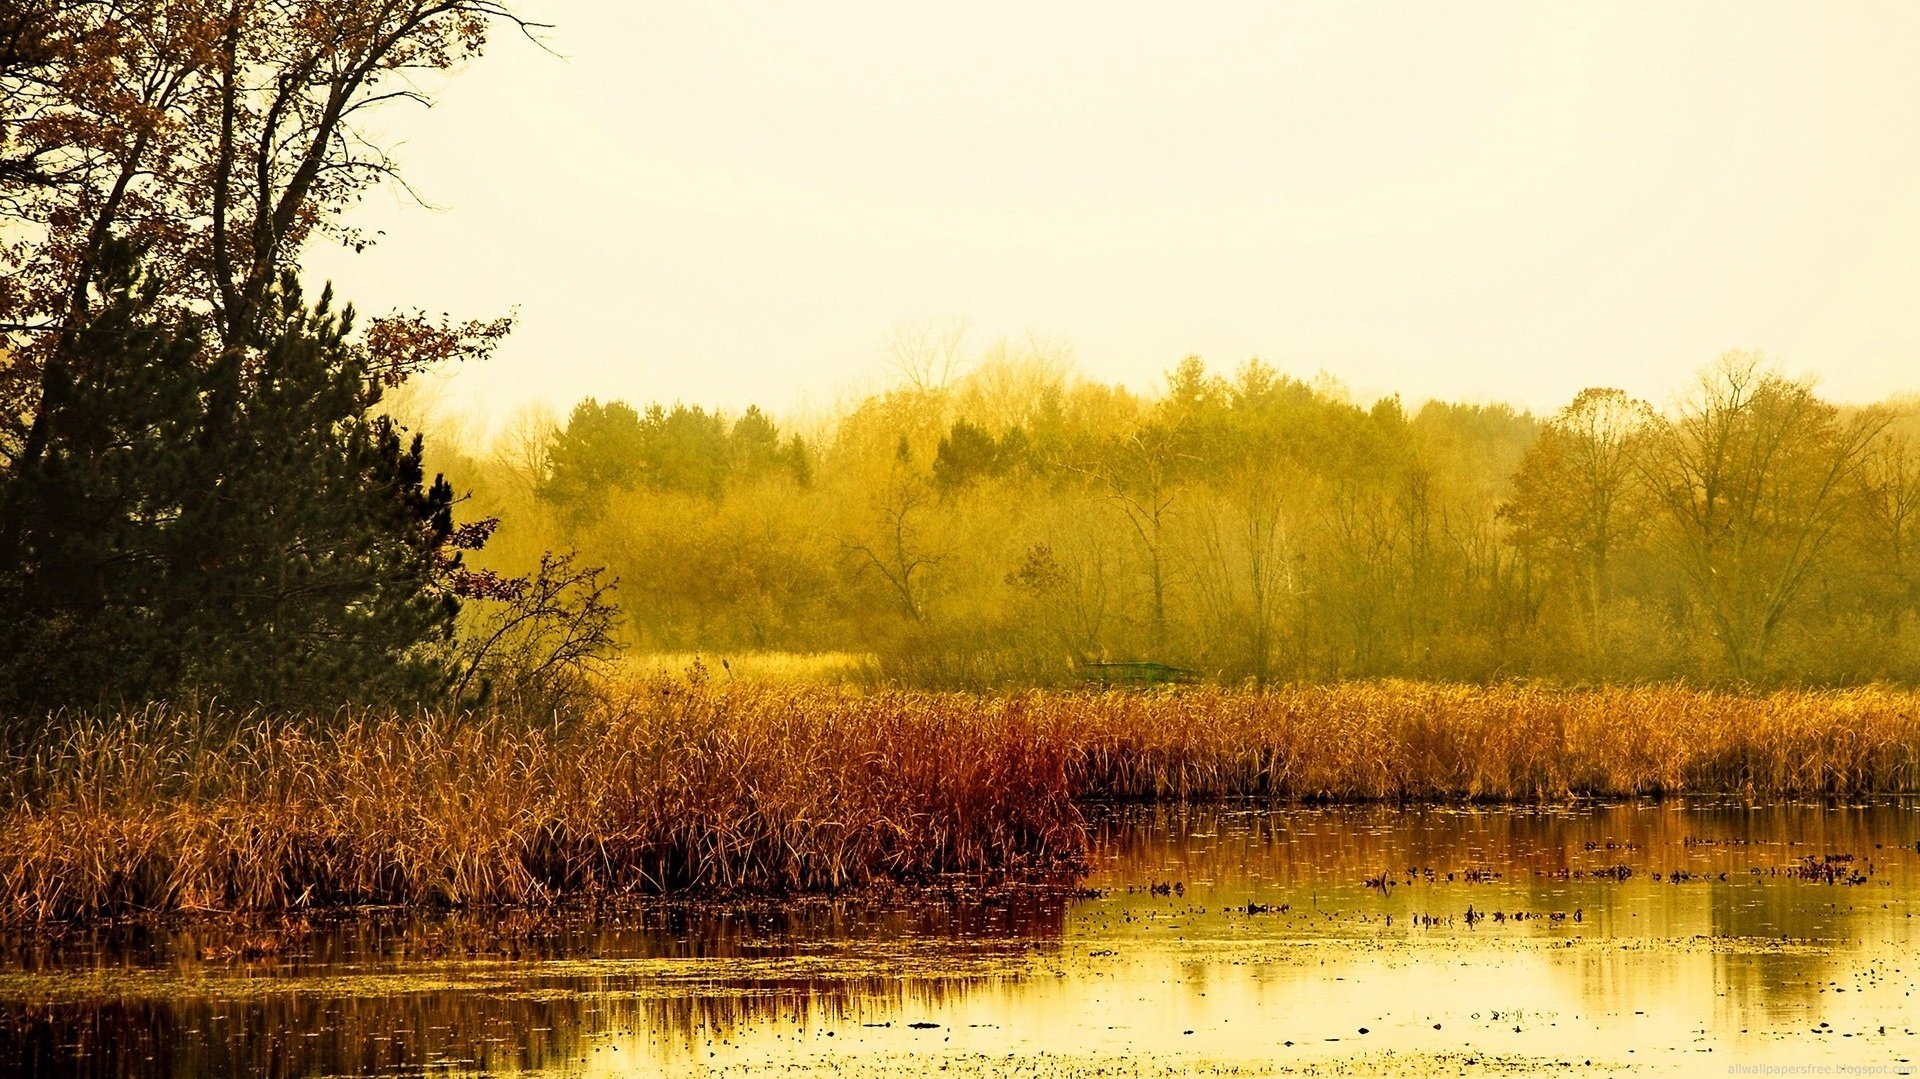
x,y
1676,937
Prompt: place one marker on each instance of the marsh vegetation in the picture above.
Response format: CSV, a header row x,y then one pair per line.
x,y
678,786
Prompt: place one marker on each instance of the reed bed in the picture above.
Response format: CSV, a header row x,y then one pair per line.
x,y
658,787
1421,741
668,785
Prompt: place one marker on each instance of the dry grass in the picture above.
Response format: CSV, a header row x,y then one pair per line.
x,y
817,668
659,787
1418,741
665,785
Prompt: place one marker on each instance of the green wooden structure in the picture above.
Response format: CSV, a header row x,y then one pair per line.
x,y
1136,675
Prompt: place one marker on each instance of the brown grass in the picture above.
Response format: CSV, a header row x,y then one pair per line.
x,y
1417,741
661,787
665,785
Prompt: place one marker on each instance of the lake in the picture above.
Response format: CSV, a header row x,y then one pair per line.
x,y
1695,936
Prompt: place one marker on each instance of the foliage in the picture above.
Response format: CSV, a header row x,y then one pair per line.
x,y
1755,475
196,494
998,527
242,526
604,450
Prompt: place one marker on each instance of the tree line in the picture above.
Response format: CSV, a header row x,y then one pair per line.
x,y
1007,526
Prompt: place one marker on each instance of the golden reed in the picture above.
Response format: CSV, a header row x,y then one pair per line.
x,y
664,785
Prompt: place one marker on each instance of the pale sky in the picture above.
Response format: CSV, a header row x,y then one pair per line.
x,y
724,203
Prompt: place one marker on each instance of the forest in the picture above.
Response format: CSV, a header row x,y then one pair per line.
x,y
1006,524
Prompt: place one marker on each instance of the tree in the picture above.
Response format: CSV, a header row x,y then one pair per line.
x,y
249,529
799,459
753,445
523,450
1012,382
214,136
894,544
1247,560
598,452
1140,472
1362,584
1751,475
683,449
1578,496
968,453
926,354
1888,520
86,594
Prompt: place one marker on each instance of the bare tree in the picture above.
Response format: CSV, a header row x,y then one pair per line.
x,y
541,633
524,447
1139,473
895,546
1751,474
1012,381
1246,575
927,354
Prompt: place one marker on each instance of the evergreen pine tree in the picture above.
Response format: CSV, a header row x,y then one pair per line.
x,y
240,525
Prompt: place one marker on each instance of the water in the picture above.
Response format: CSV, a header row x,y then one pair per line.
x,y
1696,937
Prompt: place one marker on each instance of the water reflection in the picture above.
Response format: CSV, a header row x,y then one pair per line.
x,y
1658,936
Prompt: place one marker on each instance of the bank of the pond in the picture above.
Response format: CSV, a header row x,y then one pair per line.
x,y
665,786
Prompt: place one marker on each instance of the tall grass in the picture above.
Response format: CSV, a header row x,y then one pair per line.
x,y
658,787
666,785
1406,740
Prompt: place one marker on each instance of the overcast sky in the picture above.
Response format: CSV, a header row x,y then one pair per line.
x,y
726,203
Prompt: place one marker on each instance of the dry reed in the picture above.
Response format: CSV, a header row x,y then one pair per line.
x,y
1421,741
665,785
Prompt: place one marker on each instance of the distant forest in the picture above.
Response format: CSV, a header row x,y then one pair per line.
x,y
1003,527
